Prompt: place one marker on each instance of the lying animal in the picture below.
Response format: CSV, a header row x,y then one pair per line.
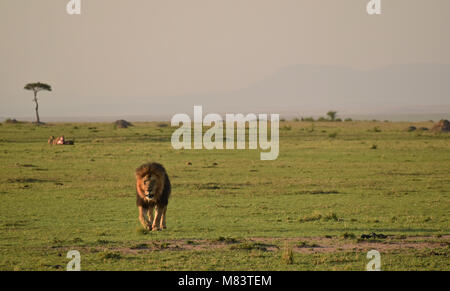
x,y
60,141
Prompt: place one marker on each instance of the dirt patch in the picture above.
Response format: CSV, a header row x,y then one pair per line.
x,y
303,245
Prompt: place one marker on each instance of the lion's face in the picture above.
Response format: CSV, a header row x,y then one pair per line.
x,y
148,185
151,180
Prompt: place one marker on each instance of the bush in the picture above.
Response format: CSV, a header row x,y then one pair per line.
x,y
304,244
331,216
348,119
9,120
227,240
376,129
122,124
332,135
110,256
309,119
348,235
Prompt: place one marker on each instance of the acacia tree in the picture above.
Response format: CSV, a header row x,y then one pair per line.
x,y
36,87
332,115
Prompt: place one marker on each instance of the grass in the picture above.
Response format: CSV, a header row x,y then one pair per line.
x,y
288,255
54,199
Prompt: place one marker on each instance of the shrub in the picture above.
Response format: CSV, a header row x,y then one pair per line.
x,y
331,216
248,246
227,240
348,235
111,256
9,120
348,119
375,129
122,124
304,244
313,217
332,134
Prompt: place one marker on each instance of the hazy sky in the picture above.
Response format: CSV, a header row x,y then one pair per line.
x,y
148,49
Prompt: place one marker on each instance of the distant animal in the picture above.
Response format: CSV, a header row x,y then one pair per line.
x,y
60,141
52,140
152,195
443,126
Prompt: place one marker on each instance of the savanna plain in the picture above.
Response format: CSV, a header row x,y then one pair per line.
x,y
336,191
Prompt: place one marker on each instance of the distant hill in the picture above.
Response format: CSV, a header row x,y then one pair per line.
x,y
417,88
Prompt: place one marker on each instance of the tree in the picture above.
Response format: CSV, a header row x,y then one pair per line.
x,y
332,115
36,87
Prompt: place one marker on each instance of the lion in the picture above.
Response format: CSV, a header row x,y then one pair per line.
x,y
60,141
152,194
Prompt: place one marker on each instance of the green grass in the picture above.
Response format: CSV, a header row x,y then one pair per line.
x,y
328,180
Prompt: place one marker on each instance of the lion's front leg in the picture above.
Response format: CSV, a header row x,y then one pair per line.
x,y
163,218
142,218
150,215
157,222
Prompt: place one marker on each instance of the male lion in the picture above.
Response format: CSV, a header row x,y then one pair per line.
x,y
152,192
